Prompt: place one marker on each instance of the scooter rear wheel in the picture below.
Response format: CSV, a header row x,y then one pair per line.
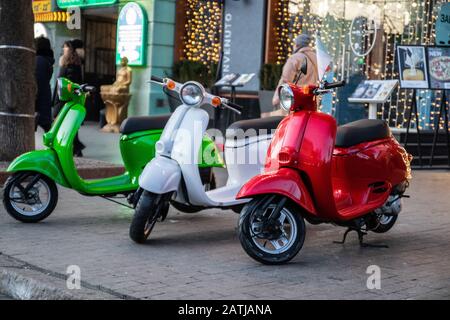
x,y
147,212
39,201
274,243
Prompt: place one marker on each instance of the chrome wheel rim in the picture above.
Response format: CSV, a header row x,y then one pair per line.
x,y
287,227
38,199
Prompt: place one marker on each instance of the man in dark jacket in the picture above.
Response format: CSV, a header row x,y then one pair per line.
x,y
44,71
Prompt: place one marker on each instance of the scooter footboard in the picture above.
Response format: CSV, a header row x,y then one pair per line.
x,y
284,181
161,175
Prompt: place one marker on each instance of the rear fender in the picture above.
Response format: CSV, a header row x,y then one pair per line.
x,y
42,161
284,181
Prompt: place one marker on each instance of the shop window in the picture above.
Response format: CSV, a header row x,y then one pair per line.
x,y
361,36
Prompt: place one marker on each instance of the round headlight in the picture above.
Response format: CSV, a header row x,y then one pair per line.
x,y
191,94
286,97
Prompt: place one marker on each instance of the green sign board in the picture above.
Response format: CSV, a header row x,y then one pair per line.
x,y
84,3
132,35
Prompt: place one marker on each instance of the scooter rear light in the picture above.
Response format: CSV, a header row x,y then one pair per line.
x,y
287,157
284,158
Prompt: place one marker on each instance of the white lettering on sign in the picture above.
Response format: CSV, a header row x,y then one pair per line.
x,y
227,35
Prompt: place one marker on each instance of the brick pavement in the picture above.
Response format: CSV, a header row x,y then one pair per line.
x,y
198,256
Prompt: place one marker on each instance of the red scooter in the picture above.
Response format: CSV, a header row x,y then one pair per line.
x,y
353,176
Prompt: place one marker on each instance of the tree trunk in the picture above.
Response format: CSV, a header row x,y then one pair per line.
x,y
17,79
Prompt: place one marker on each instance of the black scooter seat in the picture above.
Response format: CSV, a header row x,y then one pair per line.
x,y
144,123
360,131
256,125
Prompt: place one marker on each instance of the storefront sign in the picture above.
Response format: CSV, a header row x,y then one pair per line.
x,y
42,6
443,25
243,39
63,4
132,35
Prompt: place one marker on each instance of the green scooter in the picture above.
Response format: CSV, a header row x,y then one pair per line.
x,y
30,193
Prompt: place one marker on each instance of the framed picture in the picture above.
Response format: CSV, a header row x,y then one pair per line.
x,y
439,67
412,65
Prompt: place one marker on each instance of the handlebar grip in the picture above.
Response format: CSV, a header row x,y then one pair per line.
x,y
334,84
87,88
157,79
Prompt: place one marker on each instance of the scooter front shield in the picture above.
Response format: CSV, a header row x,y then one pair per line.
x,y
161,175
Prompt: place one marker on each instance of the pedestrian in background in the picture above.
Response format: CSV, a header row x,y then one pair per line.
x,y
70,68
291,70
44,71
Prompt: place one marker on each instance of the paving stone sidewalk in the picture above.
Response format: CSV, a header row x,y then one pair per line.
x,y
198,256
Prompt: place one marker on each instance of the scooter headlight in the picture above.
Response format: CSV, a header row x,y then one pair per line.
x,y
192,93
286,97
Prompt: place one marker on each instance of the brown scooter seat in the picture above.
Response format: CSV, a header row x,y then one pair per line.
x,y
360,131
135,124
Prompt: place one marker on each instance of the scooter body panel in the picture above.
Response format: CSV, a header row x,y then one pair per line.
x,y
364,175
186,145
284,181
42,161
162,175
137,149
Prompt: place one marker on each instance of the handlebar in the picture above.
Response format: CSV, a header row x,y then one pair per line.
x,y
157,79
333,85
87,88
235,106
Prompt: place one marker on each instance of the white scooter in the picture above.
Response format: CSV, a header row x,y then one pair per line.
x,y
173,175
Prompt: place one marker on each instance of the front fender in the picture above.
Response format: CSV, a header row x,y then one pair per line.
x,y
284,181
161,175
42,161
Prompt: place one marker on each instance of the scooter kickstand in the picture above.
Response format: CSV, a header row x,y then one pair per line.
x,y
361,235
345,236
362,244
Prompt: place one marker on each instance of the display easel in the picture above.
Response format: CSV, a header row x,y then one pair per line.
x,y
421,58
416,113
443,111
367,93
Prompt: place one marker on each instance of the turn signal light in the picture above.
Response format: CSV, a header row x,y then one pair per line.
x,y
171,85
216,101
306,90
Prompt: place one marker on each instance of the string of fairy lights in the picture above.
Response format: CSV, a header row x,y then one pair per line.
x,y
203,30
401,22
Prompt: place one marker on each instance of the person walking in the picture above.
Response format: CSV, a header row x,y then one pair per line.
x,y
291,70
70,68
44,71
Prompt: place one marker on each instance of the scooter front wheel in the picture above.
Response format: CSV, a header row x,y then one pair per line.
x,y
30,197
147,212
271,241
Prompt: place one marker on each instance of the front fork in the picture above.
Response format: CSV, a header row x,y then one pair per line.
x,y
30,185
265,202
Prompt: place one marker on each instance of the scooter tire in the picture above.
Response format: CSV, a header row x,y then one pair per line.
x,y
256,253
7,201
145,217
